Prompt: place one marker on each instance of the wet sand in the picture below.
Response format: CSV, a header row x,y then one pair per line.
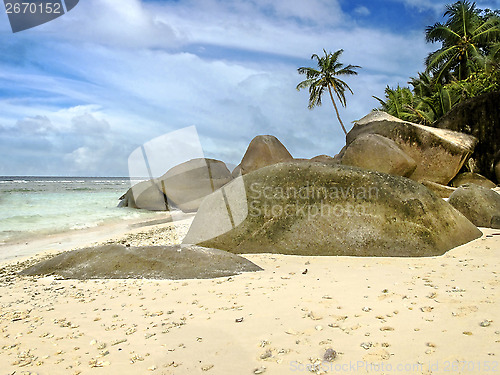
x,y
137,229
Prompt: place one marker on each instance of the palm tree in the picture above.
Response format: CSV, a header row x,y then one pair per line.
x,y
404,104
423,86
465,38
325,77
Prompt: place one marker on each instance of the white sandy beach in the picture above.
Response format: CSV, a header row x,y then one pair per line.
x,y
436,315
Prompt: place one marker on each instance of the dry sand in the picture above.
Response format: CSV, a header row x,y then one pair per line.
x,y
436,315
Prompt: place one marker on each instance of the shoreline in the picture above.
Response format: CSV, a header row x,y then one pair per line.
x,y
55,243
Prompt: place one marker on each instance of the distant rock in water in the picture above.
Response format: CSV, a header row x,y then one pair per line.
x,y
439,153
187,184
146,195
150,262
479,117
479,204
183,186
317,209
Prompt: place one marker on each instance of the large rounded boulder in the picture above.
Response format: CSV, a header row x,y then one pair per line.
x,y
145,262
145,195
442,191
479,204
326,159
377,153
183,186
317,209
438,153
187,184
262,151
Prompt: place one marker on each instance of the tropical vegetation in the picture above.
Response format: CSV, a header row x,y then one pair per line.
x,y
325,77
466,65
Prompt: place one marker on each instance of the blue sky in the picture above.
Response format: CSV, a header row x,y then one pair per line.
x,y
80,93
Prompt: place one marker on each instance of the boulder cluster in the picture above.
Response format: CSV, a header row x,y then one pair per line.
x,y
380,196
425,154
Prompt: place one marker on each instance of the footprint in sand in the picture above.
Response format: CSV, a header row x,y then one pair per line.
x,y
376,355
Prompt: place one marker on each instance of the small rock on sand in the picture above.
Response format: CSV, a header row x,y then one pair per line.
x,y
330,355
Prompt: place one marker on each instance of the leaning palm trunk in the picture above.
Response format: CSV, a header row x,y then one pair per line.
x,y
336,110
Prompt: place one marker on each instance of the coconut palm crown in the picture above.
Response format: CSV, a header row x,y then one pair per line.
x,y
465,38
325,77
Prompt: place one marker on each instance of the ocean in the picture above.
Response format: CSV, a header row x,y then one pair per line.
x,y
36,206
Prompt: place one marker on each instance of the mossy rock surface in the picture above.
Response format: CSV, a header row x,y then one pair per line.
x,y
480,117
317,209
439,153
149,262
377,153
468,178
479,204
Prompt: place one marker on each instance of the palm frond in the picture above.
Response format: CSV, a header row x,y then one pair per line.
x,y
494,53
304,84
436,59
462,16
439,32
382,103
309,72
488,31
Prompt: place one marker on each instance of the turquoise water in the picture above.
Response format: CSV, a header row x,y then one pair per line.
x,y
33,206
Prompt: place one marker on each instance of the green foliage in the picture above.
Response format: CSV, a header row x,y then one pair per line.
x,y
466,38
325,78
402,103
467,65
442,101
476,84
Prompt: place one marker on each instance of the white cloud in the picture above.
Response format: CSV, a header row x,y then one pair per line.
x,y
111,75
76,140
89,124
122,24
314,11
362,11
35,125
